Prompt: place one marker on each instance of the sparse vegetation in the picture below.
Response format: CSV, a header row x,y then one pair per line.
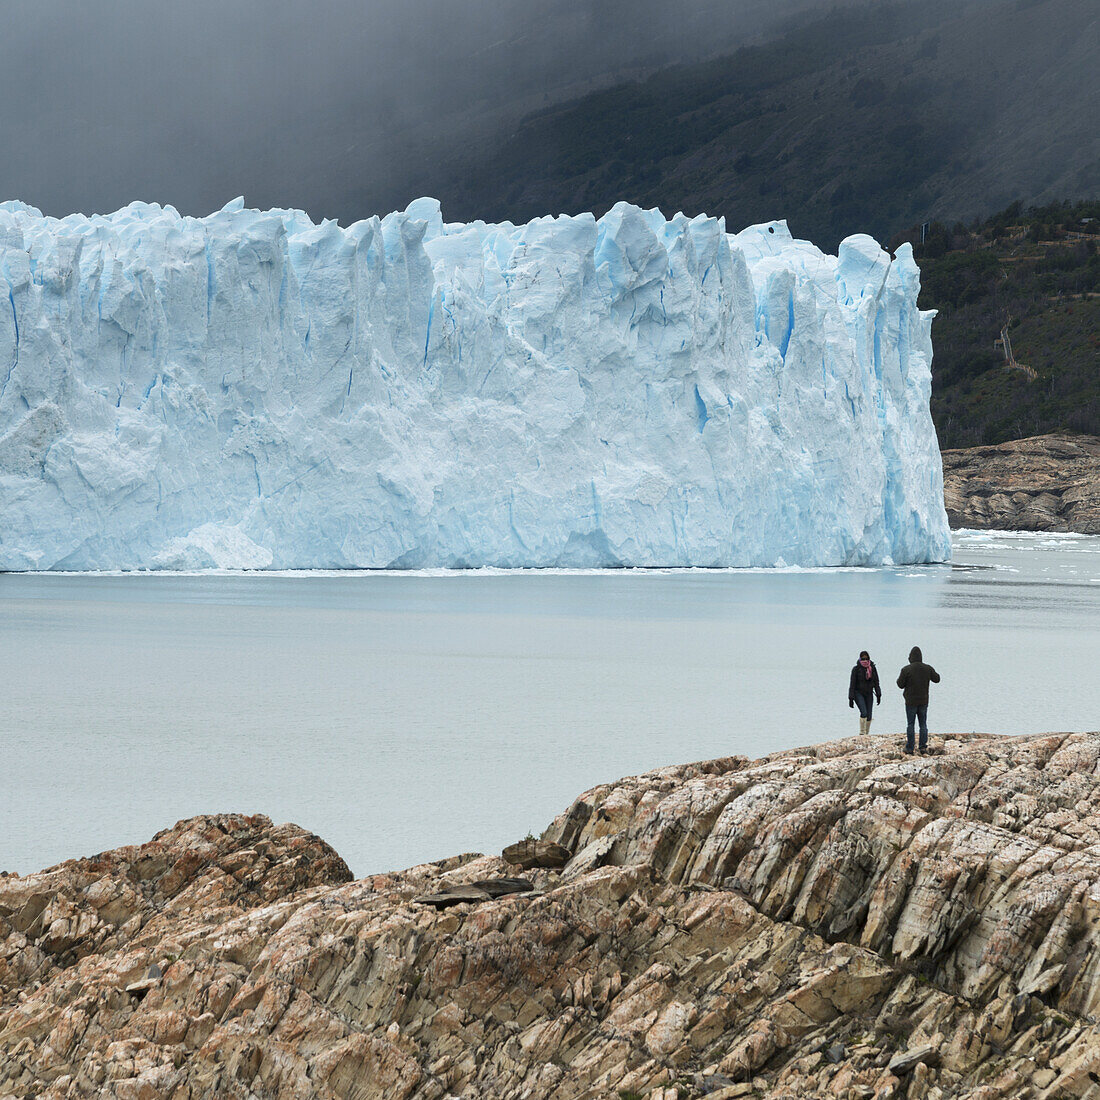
x,y
1036,273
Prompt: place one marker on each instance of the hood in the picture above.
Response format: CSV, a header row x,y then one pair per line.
x,y
915,654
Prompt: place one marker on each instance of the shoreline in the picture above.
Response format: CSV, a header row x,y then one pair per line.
x,y
836,920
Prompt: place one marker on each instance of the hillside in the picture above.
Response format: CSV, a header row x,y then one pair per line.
x,y
1036,272
865,120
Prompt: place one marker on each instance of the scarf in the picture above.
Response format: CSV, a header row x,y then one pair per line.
x,y
867,666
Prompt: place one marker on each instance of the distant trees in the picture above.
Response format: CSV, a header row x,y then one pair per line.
x,y
1037,270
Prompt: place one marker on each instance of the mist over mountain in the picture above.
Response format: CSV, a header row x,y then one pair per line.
x,y
866,120
340,107
866,116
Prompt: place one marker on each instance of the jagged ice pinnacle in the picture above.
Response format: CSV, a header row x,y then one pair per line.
x,y
252,390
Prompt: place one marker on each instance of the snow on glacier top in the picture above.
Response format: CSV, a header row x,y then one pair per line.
x,y
254,390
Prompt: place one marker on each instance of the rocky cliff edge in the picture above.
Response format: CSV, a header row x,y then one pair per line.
x,y
1044,483
838,921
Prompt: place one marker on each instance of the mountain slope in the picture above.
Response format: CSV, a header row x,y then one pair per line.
x,y
1036,275
866,120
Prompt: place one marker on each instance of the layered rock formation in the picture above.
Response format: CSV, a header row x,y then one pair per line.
x,y
837,921
1045,483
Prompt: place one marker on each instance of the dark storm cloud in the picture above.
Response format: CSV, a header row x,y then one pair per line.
x,y
337,106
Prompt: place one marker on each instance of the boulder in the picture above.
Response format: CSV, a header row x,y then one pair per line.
x,y
481,890
905,1060
530,853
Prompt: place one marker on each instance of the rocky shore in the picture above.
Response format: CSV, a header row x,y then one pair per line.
x,y
1045,483
836,921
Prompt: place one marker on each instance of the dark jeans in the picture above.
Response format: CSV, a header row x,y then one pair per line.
x,y
917,713
864,704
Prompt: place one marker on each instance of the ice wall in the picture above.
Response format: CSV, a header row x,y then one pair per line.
x,y
253,390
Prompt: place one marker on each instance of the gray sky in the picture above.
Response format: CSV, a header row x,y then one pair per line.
x,y
336,106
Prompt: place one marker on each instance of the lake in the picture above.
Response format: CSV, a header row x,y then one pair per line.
x,y
406,717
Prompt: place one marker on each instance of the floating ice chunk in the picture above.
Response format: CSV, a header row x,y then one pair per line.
x,y
213,546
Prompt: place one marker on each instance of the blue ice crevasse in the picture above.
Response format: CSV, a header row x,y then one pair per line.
x,y
253,390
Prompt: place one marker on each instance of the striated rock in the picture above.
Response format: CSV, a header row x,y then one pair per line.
x,y
836,921
907,1060
481,890
530,853
140,988
1045,483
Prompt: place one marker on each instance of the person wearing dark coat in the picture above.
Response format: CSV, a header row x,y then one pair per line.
x,y
863,689
913,681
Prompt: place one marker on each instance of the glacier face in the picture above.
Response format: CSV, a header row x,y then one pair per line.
x,y
252,390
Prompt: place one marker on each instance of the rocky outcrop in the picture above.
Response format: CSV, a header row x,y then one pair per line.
x,y
839,921
1045,483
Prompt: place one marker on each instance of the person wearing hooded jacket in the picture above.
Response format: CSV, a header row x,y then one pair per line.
x,y
863,689
913,681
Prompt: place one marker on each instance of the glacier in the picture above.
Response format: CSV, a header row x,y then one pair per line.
x,y
251,390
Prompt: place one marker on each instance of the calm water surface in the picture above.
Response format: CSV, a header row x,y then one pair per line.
x,y
408,717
